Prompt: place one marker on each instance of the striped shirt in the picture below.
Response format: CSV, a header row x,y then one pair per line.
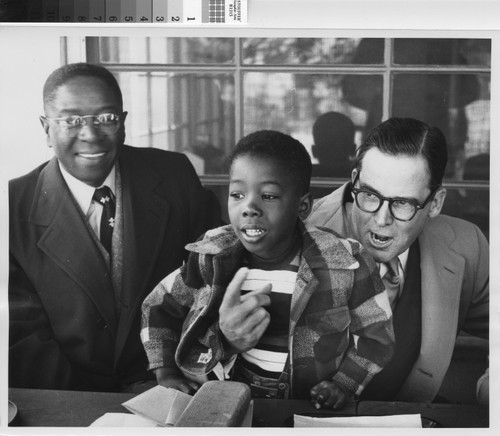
x,y
269,356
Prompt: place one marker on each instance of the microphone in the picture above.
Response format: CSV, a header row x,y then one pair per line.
x,y
217,404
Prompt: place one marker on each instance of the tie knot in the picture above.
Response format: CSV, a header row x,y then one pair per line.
x,y
392,281
103,195
393,268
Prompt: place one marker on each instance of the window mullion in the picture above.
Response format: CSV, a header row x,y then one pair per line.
x,y
387,78
238,90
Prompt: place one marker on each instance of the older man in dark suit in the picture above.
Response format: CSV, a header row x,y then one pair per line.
x,y
91,232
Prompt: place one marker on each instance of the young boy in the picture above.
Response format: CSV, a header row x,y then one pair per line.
x,y
294,312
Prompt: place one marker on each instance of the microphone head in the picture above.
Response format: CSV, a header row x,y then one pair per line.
x,y
217,404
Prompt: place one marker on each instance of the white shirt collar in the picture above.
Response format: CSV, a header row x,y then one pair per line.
x,y
403,260
82,192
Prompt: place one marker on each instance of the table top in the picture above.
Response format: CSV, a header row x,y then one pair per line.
x,y
50,408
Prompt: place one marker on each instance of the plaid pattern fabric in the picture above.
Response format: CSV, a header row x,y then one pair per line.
x,y
340,319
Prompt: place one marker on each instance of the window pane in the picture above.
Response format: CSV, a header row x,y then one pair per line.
x,y
298,81
369,51
469,204
166,50
192,113
475,52
305,51
292,102
459,104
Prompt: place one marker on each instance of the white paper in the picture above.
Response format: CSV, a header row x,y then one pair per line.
x,y
406,421
159,404
122,420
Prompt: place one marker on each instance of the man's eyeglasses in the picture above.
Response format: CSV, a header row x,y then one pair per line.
x,y
402,209
107,123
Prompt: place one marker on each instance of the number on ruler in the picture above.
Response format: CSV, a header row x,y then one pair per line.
x,y
176,18
113,18
144,19
160,18
99,18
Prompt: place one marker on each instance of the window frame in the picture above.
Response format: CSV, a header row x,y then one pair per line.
x,y
388,69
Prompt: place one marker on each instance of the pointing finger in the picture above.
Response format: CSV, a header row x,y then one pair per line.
x,y
232,297
264,290
257,297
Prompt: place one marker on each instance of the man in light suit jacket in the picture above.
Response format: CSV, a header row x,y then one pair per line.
x,y
441,282
75,296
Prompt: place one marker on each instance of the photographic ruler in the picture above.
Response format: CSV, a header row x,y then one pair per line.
x,y
126,11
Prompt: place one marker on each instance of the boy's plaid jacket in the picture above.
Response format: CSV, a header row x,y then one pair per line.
x,y
343,333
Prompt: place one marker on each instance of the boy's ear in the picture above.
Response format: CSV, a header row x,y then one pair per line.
x,y
305,206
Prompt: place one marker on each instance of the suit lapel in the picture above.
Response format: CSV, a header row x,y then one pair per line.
x,y
145,214
67,241
329,212
442,275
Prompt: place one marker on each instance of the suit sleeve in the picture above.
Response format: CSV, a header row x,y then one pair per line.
x,y
372,336
204,208
476,286
35,358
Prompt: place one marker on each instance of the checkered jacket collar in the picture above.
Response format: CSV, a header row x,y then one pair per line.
x,y
321,246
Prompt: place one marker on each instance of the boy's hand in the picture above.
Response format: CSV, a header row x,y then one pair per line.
x,y
166,377
328,395
243,319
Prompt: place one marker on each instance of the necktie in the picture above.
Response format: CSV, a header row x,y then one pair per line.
x,y
392,280
104,197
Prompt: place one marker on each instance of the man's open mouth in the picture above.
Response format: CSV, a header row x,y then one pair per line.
x,y
380,240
